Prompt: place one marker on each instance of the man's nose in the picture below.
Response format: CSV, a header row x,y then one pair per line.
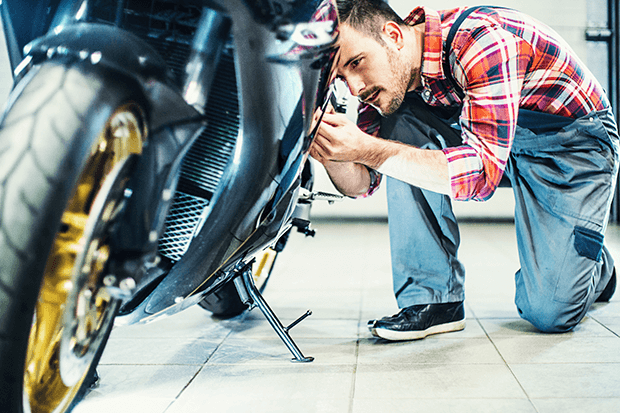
x,y
355,86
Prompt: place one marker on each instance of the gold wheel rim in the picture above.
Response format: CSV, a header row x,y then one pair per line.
x,y
73,291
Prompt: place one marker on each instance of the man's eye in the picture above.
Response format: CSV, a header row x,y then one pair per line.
x,y
355,63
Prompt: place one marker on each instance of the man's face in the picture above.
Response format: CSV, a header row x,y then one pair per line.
x,y
378,74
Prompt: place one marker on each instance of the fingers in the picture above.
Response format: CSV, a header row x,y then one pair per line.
x,y
326,133
330,108
320,148
317,152
334,119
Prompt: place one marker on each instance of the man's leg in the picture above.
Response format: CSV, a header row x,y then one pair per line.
x,y
563,185
424,238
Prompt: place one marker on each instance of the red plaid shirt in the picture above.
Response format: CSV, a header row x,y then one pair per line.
x,y
503,60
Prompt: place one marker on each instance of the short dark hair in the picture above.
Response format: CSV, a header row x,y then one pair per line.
x,y
367,16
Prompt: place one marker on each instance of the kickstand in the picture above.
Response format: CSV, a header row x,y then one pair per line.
x,y
250,295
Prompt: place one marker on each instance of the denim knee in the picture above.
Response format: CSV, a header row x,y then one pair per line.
x,y
551,316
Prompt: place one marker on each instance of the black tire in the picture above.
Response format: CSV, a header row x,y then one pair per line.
x,y
52,144
225,301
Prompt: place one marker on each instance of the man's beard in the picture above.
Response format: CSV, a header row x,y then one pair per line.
x,y
406,76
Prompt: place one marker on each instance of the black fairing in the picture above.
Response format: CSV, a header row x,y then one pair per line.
x,y
23,21
276,100
276,12
116,49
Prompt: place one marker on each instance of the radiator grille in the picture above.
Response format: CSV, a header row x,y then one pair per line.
x,y
169,27
181,223
205,162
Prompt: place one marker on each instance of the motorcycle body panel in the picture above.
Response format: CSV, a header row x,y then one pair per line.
x,y
276,96
23,21
101,44
269,148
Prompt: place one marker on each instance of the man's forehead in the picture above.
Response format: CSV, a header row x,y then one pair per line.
x,y
352,41
350,35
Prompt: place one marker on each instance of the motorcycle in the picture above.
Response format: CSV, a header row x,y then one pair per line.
x,y
150,152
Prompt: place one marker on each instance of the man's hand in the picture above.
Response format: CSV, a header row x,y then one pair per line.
x,y
346,151
335,146
338,139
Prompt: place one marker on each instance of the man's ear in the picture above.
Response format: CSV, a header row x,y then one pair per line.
x,y
394,34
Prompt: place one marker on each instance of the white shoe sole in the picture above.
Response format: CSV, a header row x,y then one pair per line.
x,y
393,335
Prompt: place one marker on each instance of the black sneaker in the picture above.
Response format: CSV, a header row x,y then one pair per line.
x,y
419,321
609,290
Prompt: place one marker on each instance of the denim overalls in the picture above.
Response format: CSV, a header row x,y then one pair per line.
x,y
563,174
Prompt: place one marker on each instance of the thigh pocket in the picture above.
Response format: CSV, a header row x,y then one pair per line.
x,y
588,243
574,276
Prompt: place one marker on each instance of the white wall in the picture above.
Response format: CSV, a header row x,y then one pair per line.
x,y
568,18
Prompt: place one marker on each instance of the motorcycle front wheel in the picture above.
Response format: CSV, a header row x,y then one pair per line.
x,y
67,142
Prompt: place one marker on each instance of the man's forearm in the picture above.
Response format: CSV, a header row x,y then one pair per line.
x,y
423,168
346,151
349,178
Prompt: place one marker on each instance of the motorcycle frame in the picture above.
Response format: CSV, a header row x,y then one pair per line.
x,y
272,146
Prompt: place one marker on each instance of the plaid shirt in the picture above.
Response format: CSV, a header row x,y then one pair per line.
x,y
503,60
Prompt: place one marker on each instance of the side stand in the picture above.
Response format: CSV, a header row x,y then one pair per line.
x,y
250,295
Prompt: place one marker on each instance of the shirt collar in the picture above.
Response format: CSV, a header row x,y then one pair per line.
x,y
433,42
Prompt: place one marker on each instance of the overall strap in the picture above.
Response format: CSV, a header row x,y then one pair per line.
x,y
538,122
448,46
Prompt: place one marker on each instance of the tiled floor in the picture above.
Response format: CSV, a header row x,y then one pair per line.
x,y
499,363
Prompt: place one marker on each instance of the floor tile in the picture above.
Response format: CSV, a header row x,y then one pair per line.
x,y
436,381
569,380
308,328
249,351
572,405
429,351
563,348
493,308
287,388
193,322
324,303
610,309
242,404
502,327
417,405
610,323
193,362
164,351
137,389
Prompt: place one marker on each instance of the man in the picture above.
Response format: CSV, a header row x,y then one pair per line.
x,y
499,96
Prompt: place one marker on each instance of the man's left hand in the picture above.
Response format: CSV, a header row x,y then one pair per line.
x,y
339,139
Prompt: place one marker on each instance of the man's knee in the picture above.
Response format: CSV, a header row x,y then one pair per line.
x,y
551,316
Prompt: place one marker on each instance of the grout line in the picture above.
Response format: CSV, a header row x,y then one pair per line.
x,y
604,326
354,380
507,365
198,372
357,352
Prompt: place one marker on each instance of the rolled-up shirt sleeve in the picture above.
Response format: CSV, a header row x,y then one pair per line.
x,y
490,65
369,121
